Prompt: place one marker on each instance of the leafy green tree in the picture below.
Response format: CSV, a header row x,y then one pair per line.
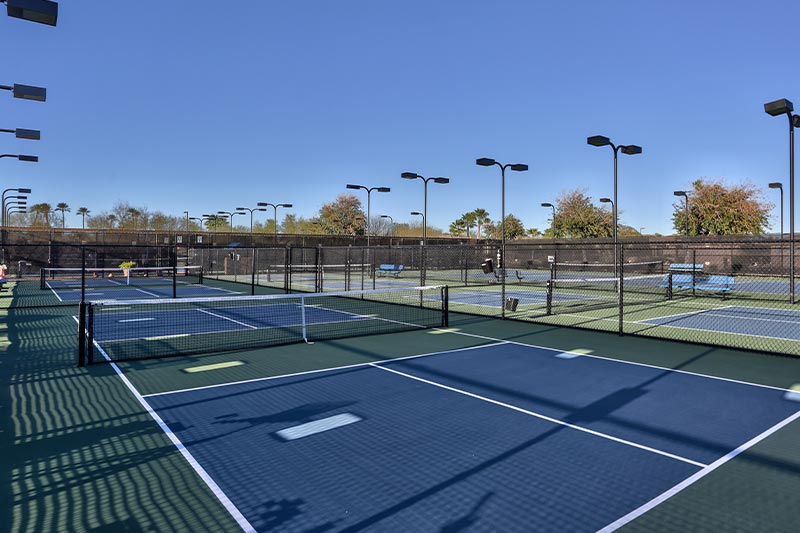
x,y
577,217
533,232
342,216
63,207
719,209
458,226
514,228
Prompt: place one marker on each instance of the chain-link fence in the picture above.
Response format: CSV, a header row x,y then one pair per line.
x,y
726,293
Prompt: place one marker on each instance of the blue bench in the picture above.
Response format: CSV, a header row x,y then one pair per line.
x,y
389,269
703,282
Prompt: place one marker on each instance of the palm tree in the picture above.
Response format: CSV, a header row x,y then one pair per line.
x,y
112,219
481,218
41,210
63,207
469,221
83,212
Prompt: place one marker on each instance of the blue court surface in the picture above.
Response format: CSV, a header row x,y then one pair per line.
x,y
129,292
742,320
493,298
503,437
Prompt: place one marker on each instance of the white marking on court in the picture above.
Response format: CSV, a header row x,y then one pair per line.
x,y
320,370
154,295
227,318
135,319
318,426
209,481
696,476
544,417
568,355
624,362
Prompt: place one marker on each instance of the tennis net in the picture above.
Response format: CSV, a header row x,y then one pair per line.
x,y
138,329
72,278
605,270
586,294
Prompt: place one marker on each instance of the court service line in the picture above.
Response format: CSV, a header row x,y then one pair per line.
x,y
322,370
696,476
543,417
54,292
207,479
154,295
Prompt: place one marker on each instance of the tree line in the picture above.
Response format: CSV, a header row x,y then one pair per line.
x,y
709,207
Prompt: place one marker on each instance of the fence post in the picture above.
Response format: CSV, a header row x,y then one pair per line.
x,y
253,273
83,273
621,290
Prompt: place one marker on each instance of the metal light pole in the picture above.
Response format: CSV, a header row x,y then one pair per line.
x,y
518,167
275,213
229,214
418,214
251,213
685,195
785,107
29,158
778,185
630,149
369,192
391,221
553,225
22,196
415,176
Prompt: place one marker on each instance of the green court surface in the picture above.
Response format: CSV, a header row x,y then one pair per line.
x,y
81,454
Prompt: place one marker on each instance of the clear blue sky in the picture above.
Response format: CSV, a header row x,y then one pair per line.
x,y
204,106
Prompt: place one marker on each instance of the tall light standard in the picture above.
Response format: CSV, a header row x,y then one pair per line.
x,y
776,108
230,214
251,213
418,214
630,149
369,192
415,176
778,185
41,11
187,219
391,222
517,167
685,195
23,191
275,213
553,225
14,204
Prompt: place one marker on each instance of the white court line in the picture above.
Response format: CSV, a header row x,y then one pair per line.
x,y
135,320
688,313
148,293
696,476
544,417
54,292
209,481
226,318
319,371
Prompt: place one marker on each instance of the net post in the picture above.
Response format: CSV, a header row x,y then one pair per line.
x,y
303,317
694,271
318,268
549,301
175,271
620,289
347,273
90,333
42,279
82,334
669,285
253,273
445,306
83,273
287,262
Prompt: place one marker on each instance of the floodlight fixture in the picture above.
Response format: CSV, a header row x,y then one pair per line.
x,y
518,167
369,192
410,175
776,185
21,133
30,158
598,140
548,204
441,180
631,149
485,162
606,201
438,179
27,92
41,11
679,193
779,107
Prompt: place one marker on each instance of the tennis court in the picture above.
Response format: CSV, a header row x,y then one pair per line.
x,y
511,436
736,319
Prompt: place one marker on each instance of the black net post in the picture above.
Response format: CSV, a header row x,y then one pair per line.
x,y
42,279
445,307
175,272
669,286
253,266
83,273
694,271
82,334
90,333
549,301
620,289
318,269
287,264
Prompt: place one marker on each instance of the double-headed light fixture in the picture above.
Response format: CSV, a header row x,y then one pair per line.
x,y
369,207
